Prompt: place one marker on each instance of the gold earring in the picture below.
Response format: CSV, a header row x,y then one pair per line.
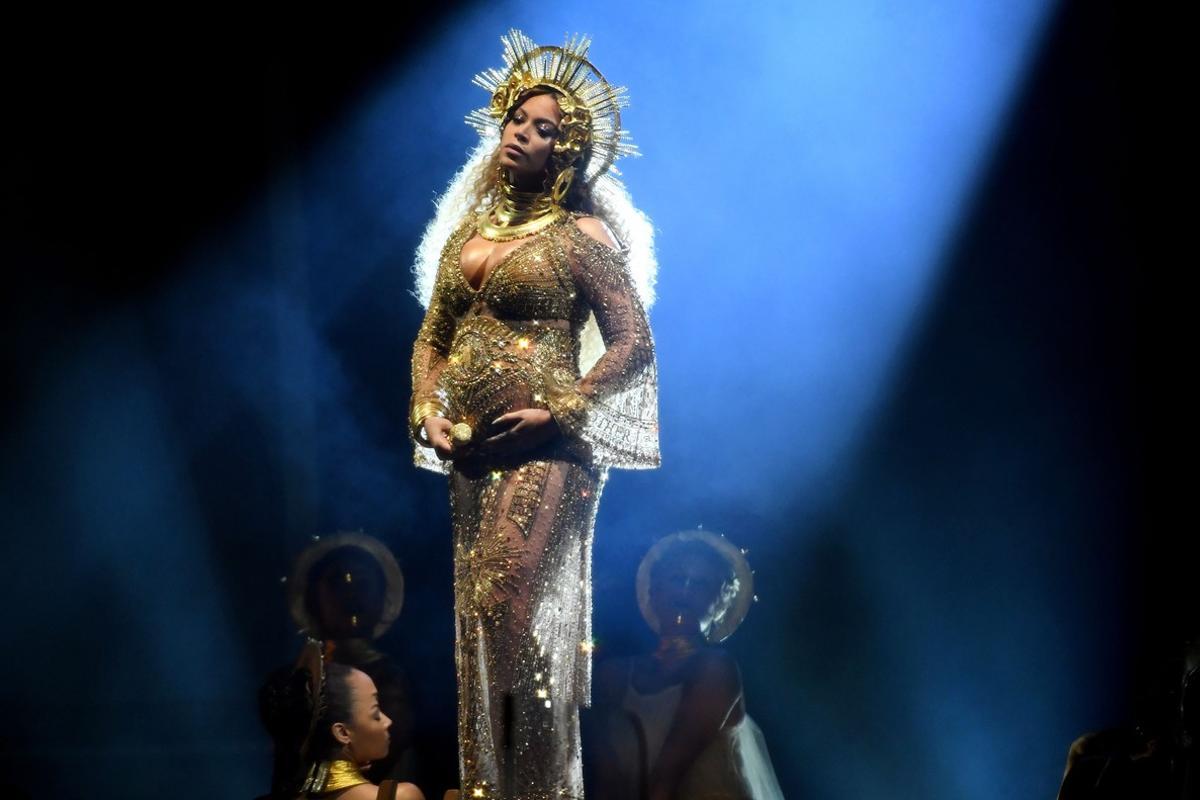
x,y
562,185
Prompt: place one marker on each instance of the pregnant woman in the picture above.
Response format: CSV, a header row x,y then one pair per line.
x,y
533,373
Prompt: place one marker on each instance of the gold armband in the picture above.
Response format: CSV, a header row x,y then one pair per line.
x,y
420,412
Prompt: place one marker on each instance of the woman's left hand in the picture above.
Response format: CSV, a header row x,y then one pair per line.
x,y
522,430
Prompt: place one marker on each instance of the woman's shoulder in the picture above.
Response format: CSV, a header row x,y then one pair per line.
x,y
595,229
714,669
364,791
369,791
458,234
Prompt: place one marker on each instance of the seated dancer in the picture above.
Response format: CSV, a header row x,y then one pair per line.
x,y
673,723
346,590
327,727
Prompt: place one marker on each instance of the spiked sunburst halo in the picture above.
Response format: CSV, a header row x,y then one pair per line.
x,y
591,106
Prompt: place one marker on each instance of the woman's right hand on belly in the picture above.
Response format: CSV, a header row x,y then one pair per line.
x,y
521,430
437,431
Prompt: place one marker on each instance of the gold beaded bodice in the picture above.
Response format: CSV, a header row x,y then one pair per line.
x,y
532,281
513,343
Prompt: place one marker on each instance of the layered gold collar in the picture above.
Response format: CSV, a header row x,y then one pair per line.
x,y
333,776
518,214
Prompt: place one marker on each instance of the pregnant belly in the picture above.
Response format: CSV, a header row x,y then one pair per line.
x,y
480,399
494,369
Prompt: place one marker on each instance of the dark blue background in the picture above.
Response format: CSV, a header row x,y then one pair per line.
x,y
208,335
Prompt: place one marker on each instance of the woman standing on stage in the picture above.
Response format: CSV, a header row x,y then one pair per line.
x,y
533,373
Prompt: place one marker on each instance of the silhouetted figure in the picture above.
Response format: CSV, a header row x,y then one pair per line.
x,y
1155,760
346,590
672,724
1187,757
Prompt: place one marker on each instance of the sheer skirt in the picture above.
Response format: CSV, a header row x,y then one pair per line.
x,y
522,563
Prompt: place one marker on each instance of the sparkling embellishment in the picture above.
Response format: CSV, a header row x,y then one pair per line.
x,y
523,530
560,275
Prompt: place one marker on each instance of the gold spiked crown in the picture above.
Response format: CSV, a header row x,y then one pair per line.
x,y
591,107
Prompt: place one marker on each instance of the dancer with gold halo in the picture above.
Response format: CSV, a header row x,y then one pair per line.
x,y
533,374
673,723
346,590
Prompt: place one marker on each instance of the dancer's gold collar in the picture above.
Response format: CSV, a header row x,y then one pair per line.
x,y
518,214
332,776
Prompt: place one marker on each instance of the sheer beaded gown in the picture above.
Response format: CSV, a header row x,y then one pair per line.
x,y
523,524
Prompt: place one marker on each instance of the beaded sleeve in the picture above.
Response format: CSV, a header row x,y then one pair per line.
x,y
429,359
613,409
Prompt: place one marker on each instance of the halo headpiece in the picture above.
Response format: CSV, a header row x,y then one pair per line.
x,y
740,589
591,130
297,585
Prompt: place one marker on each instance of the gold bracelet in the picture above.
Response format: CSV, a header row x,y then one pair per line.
x,y
421,411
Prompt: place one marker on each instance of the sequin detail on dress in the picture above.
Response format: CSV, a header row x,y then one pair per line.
x,y
523,526
492,350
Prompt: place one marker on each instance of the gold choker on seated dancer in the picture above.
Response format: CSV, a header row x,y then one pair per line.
x,y
518,214
326,777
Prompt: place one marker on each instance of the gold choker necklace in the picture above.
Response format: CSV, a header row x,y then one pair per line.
x,y
331,776
518,214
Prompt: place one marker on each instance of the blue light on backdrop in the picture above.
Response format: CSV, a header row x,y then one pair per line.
x,y
806,166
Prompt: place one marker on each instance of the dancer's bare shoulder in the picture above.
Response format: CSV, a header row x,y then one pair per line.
x,y
367,791
714,670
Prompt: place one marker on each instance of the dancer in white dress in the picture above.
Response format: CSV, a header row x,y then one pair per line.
x,y
673,723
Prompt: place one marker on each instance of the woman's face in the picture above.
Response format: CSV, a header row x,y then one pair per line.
x,y
366,734
346,598
527,139
684,592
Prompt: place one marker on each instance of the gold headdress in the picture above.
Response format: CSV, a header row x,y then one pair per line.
x,y
393,590
739,591
592,137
